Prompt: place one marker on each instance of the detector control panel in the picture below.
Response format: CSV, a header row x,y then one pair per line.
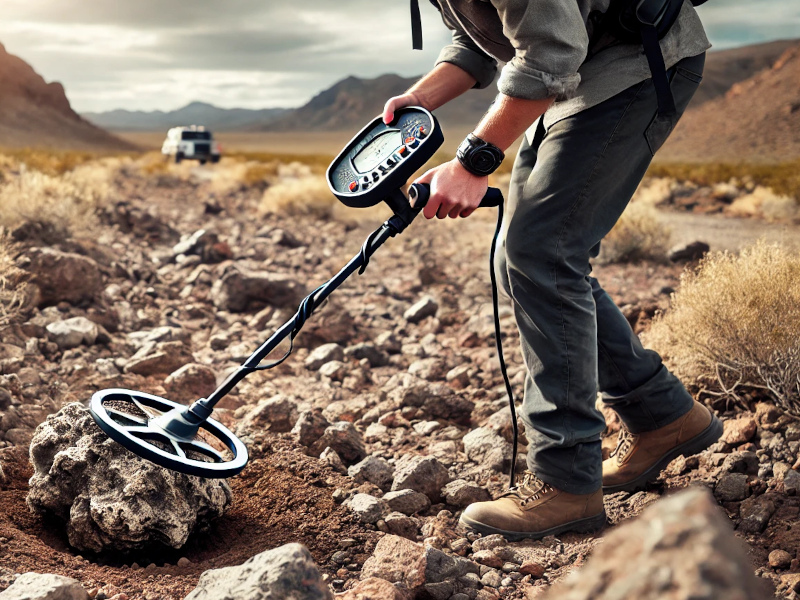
x,y
381,158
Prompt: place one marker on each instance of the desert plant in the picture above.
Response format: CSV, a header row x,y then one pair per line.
x,y
638,235
296,196
12,280
734,325
65,205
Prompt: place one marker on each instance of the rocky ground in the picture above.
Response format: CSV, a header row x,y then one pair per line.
x,y
394,385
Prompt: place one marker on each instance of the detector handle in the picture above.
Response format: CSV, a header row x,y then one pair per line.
x,y
420,192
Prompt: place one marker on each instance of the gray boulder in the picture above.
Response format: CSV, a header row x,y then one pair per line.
x,y
33,586
73,332
62,276
374,470
422,474
284,573
343,437
110,498
424,308
237,288
682,547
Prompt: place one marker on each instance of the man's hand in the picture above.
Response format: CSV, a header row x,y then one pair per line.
x,y
455,192
393,104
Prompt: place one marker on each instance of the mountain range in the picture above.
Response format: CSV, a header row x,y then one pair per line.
x,y
213,117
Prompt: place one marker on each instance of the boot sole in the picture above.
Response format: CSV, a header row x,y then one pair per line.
x,y
587,525
693,446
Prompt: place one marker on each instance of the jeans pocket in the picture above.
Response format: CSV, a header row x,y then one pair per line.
x,y
658,131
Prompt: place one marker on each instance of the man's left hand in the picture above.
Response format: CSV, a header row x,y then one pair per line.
x,y
455,192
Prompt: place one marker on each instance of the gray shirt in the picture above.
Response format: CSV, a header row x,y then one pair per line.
x,y
545,47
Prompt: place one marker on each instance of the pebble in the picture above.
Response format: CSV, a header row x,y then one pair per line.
x,y
184,562
779,559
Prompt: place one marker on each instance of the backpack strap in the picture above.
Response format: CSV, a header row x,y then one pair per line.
x,y
416,26
652,49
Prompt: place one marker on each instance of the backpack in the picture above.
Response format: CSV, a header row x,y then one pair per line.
x,y
646,22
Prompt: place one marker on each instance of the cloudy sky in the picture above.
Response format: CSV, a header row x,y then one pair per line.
x,y
161,54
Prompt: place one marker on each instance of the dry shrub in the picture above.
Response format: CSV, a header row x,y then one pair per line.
x,y
295,196
763,202
50,162
12,280
65,205
638,235
735,324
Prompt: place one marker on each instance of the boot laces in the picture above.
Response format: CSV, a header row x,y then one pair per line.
x,y
624,444
531,488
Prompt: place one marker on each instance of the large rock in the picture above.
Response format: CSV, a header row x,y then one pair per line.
x,y
423,474
159,359
485,447
237,288
110,498
414,567
345,439
191,382
73,332
33,586
435,399
277,414
62,276
682,547
284,573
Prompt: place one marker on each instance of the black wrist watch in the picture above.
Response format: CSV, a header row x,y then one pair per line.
x,y
478,157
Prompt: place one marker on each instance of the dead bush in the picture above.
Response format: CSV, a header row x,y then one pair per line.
x,y
295,196
65,204
638,235
734,325
12,281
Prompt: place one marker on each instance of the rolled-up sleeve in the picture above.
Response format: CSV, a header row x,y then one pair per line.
x,y
467,55
550,44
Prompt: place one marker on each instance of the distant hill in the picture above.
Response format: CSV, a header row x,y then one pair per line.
x,y
756,120
34,113
199,113
727,67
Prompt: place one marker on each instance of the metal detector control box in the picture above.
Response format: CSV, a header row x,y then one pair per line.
x,y
382,158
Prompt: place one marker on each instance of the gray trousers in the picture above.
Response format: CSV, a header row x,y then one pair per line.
x,y
568,189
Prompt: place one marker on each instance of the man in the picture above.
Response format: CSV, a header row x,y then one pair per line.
x,y
590,112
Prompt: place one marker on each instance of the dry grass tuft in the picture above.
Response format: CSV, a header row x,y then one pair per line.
x,y
12,281
735,325
296,196
638,235
65,205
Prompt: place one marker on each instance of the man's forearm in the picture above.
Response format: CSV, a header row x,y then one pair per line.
x,y
444,83
509,118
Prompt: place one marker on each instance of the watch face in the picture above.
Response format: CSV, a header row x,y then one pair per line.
x,y
483,160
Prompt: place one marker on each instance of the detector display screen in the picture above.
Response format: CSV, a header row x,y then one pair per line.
x,y
377,151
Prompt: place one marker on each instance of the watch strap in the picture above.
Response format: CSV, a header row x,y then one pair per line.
x,y
478,156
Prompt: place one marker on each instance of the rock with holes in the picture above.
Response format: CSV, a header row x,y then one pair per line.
x,y
109,498
284,573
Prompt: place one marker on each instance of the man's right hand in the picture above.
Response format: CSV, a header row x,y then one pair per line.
x,y
407,99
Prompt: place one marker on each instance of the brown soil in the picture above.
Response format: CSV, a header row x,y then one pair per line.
x,y
279,498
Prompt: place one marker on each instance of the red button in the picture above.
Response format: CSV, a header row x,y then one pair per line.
x,y
402,150
353,186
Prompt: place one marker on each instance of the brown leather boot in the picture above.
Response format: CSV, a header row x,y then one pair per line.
x,y
535,509
640,458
